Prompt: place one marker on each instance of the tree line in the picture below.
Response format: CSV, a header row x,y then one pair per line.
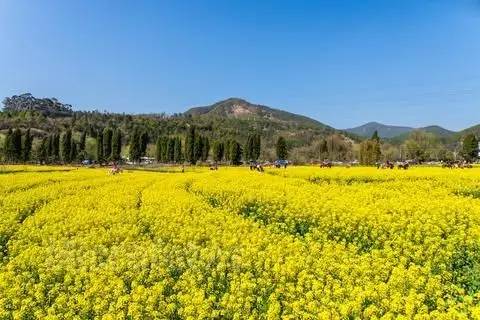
x,y
106,145
67,147
419,147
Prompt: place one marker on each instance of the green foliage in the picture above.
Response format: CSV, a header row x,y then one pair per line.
x,y
370,152
100,157
116,145
281,148
107,143
177,151
190,153
135,145
27,146
66,146
235,152
218,151
470,147
252,147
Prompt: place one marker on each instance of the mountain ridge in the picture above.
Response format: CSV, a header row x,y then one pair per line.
x,y
238,108
392,131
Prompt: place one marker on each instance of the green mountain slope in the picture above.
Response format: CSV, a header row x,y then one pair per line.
x,y
235,108
384,131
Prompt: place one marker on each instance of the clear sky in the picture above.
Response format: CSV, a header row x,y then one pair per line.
x,y
405,62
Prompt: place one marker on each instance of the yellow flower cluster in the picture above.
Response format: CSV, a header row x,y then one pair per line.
x,y
300,243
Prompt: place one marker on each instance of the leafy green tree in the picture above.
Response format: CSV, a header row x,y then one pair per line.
x,y
370,152
27,146
281,148
470,147
66,146
116,145
375,136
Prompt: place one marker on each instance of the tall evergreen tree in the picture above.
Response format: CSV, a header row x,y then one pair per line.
x,y
135,150
226,149
171,150
198,147
144,139
83,141
73,152
281,148
190,145
17,145
49,148
235,152
116,145
8,148
158,149
107,143
27,146
42,150
66,145
375,136
257,142
177,153
56,147
217,150
205,148
100,156
248,149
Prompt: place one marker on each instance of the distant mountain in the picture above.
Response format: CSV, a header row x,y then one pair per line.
x,y
397,133
384,131
474,129
235,108
438,131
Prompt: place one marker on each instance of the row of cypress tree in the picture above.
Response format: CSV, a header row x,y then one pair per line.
x,y
17,146
63,147
109,145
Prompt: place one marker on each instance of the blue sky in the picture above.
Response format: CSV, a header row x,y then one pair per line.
x,y
341,62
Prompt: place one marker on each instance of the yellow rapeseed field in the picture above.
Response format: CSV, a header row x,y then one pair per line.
x,y
300,243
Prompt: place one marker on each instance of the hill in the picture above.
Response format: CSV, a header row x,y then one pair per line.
x,y
384,131
232,118
235,108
